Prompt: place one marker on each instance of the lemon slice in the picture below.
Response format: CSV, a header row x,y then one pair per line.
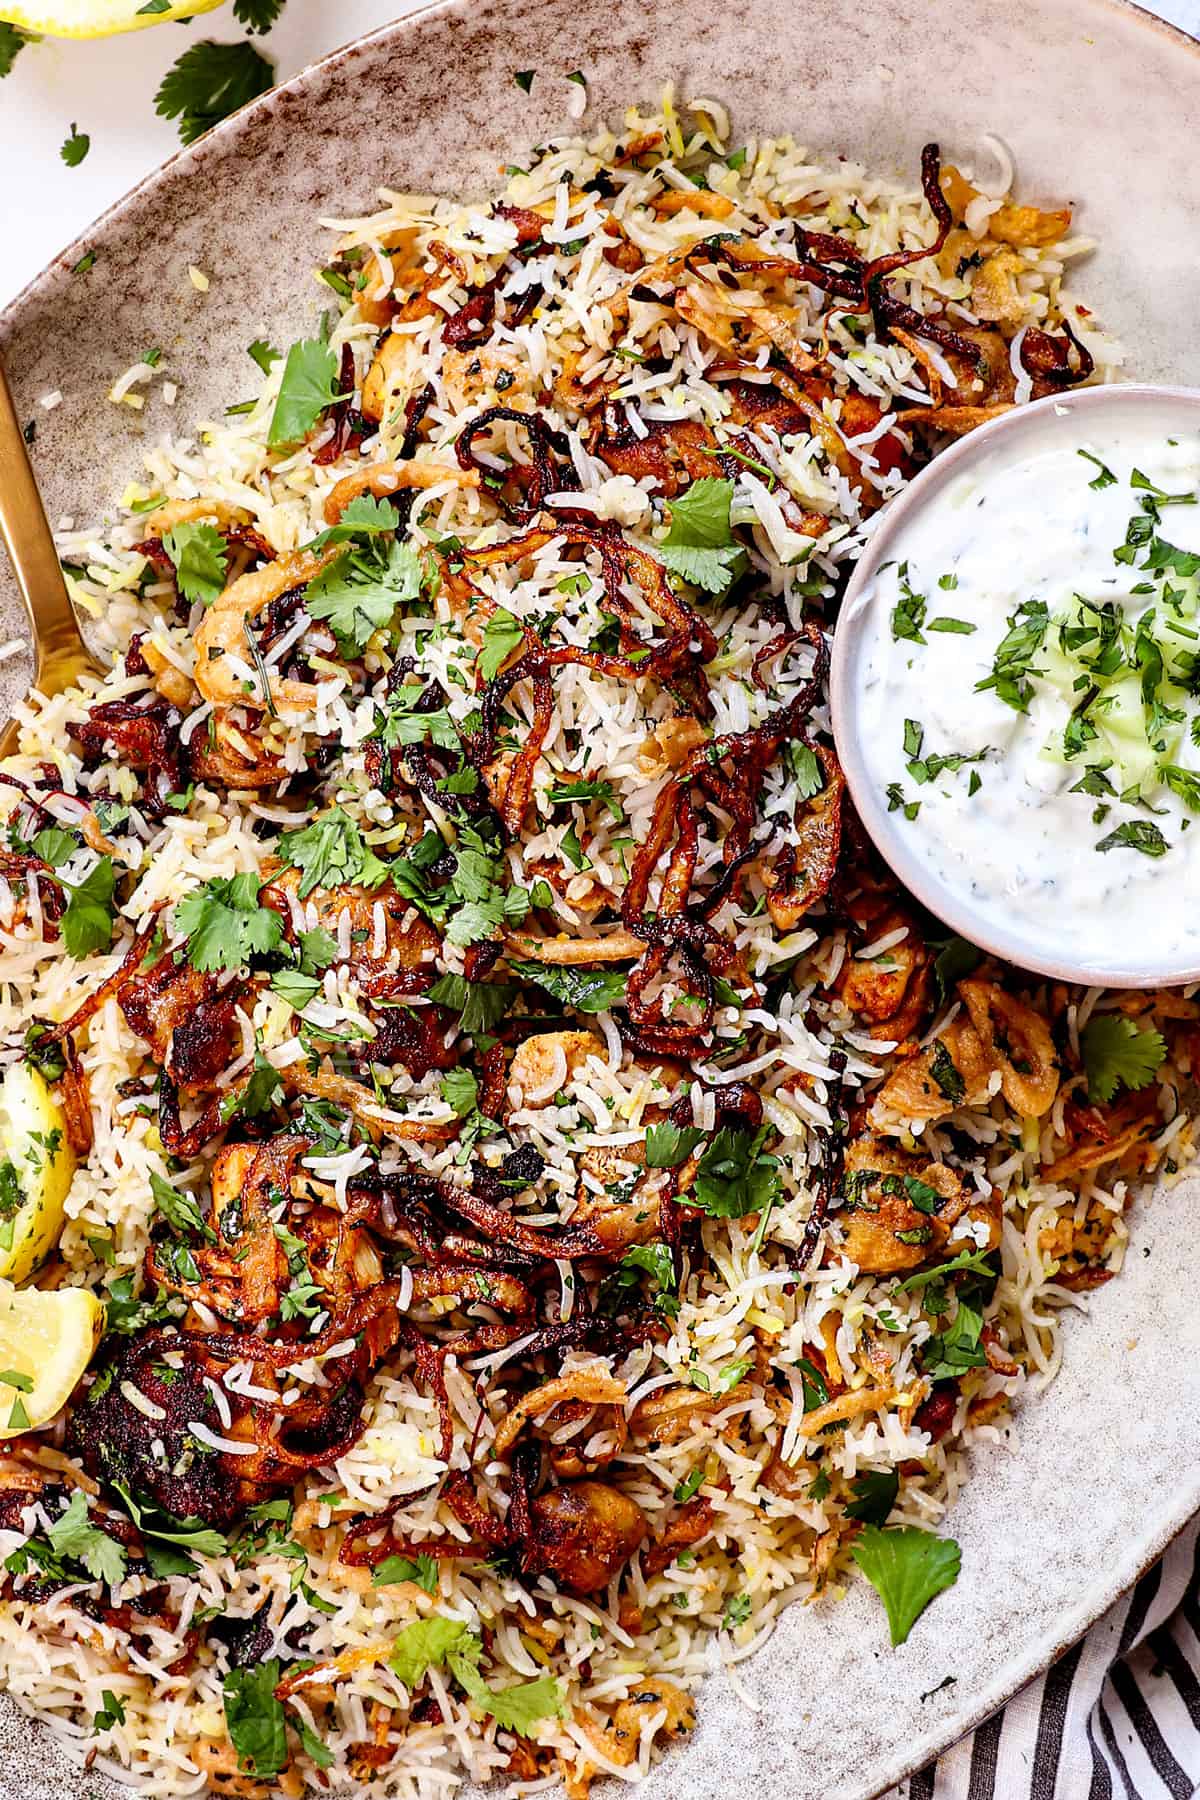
x,y
36,1166
97,18
46,1342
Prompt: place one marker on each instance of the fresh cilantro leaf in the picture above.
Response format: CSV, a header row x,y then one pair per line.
x,y
426,1645
152,1521
210,81
1105,478
668,1145
255,1719
16,1378
318,1753
734,1178
957,1349
318,949
200,557
524,79
1116,1053
908,614
112,1711
405,723
358,594
907,1568
75,147
179,1210
294,987
12,42
737,1611
1184,782
801,760
587,990
424,1571
501,636
813,1389
331,852
653,1259
516,1708
974,1260
700,545
259,1094
481,1004
55,846
264,354
308,386
257,15
1013,661
125,1311
1142,835
460,1090
955,960
564,793
225,925
87,923
74,1536
364,517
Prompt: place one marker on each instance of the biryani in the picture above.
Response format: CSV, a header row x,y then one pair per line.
x,y
555,1201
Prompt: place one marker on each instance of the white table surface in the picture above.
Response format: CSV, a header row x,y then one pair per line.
x,y
107,87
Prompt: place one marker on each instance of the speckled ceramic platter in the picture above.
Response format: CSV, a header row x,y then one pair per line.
x,y
1099,103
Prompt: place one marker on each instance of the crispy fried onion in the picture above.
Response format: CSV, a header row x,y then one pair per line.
x,y
683,944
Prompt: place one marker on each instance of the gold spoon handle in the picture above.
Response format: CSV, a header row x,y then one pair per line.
x,y
59,650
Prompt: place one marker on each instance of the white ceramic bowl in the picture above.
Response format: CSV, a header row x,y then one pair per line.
x,y
1068,418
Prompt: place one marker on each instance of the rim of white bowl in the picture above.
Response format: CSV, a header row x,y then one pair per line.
x,y
1042,958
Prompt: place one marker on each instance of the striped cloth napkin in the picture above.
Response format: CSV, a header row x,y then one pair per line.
x,y
1116,1718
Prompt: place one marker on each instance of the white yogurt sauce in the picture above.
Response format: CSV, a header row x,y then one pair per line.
x,y
1006,835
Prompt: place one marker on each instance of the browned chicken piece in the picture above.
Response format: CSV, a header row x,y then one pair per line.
x,y
550,1056
954,1071
187,1020
689,1525
802,874
652,1697
885,1230
408,962
626,1214
584,1534
889,991
1019,1041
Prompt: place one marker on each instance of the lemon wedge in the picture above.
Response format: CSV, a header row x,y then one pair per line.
x,y
46,1342
98,18
36,1166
